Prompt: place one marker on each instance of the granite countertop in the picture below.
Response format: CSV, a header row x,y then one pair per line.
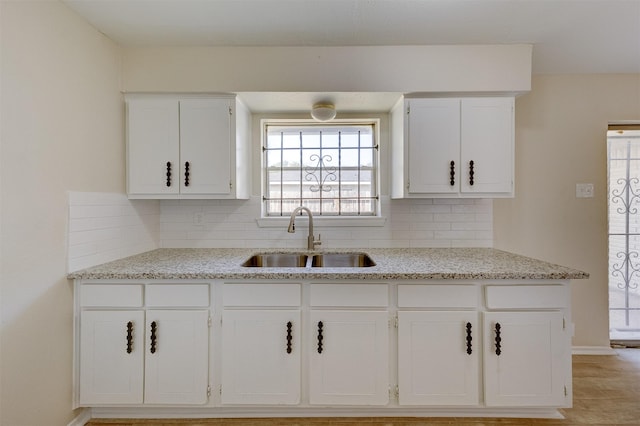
x,y
391,264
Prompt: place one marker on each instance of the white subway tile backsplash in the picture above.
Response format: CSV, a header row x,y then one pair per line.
x,y
105,226
410,223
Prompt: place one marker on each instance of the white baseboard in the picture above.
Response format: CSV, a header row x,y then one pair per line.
x,y
82,418
592,350
261,412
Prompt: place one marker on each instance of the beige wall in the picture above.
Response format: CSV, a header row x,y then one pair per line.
x,y
560,141
329,69
62,129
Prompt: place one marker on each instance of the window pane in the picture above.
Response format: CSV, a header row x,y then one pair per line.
x,y
330,139
323,167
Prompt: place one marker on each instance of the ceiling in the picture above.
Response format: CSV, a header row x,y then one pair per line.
x,y
568,36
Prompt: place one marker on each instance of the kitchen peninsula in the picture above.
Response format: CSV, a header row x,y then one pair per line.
x,y
421,332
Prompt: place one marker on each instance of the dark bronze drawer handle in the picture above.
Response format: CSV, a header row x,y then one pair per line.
x,y
129,337
320,337
154,337
452,173
289,337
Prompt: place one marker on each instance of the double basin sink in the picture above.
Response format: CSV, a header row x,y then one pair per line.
x,y
302,260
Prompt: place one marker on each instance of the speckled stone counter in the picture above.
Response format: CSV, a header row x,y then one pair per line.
x,y
391,264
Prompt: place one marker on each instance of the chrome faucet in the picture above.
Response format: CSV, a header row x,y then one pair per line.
x,y
311,240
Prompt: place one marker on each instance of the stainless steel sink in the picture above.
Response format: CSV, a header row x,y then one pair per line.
x,y
277,260
342,260
300,260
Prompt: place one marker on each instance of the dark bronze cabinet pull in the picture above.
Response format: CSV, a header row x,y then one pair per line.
x,y
471,172
498,339
320,337
129,337
154,337
186,174
452,173
469,338
168,173
289,337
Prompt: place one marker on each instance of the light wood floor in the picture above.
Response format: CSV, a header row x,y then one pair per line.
x,y
606,391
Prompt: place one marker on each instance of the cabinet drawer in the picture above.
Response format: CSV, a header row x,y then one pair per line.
x,y
438,296
262,294
355,295
526,296
183,295
112,295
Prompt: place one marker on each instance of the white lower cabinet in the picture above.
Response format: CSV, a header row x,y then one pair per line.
x,y
261,356
285,347
349,361
177,357
525,359
438,356
131,352
124,362
111,357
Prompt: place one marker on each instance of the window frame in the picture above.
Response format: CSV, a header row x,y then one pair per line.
x,y
375,219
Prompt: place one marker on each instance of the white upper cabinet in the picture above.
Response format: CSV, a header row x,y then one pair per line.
x,y
187,146
453,147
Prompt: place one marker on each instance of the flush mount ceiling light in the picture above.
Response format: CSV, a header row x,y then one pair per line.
x,y
323,112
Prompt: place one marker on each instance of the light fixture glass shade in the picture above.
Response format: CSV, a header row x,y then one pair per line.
x,y
323,112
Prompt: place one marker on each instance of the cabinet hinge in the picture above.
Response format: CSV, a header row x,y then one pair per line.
x,y
208,390
408,109
230,111
394,392
220,390
230,185
393,321
565,391
564,326
209,321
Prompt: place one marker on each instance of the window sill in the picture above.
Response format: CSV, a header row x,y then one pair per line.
x,y
323,222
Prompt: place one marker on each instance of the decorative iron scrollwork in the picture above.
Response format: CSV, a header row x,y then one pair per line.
x,y
320,173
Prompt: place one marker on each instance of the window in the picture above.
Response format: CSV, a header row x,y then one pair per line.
x,y
330,169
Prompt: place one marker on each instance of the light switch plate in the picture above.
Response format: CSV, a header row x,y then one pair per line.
x,y
584,190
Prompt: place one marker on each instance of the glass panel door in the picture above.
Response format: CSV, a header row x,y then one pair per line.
x,y
623,151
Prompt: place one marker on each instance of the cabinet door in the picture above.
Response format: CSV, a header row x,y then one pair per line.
x,y
111,370
205,146
261,357
153,147
177,357
487,140
433,135
349,361
524,359
438,358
